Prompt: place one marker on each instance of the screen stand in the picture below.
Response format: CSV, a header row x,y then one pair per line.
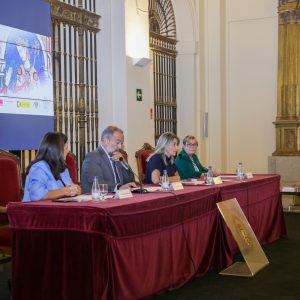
x,y
253,254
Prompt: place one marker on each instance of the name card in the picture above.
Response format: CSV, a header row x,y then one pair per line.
x,y
122,194
249,175
175,186
217,180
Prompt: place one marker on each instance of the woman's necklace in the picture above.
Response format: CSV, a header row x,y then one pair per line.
x,y
194,164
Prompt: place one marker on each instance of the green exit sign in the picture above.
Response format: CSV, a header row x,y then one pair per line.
x,y
139,95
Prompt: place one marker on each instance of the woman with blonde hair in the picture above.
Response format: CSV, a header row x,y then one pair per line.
x,y
187,162
163,159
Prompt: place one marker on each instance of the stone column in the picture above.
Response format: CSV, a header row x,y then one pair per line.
x,y
288,104
286,159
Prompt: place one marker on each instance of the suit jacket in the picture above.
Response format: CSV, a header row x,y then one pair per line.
x,y
96,163
186,168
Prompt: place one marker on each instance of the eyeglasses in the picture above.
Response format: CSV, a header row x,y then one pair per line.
x,y
191,145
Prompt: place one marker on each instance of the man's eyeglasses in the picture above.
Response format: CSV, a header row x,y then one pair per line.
x,y
191,145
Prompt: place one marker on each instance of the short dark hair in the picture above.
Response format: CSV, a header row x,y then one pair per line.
x,y
51,150
109,131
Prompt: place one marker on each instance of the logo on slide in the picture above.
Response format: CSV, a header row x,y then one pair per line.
x,y
24,104
1,102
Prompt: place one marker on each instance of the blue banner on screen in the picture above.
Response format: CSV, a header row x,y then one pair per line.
x,y
26,81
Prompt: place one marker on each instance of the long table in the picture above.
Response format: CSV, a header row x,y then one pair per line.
x,y
135,247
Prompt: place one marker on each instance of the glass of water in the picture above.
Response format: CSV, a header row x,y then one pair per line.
x,y
103,187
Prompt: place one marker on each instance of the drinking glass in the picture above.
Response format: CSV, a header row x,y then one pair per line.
x,y
103,191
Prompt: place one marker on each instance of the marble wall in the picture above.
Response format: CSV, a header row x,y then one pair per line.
x,y
286,166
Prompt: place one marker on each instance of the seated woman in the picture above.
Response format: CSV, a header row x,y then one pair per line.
x,y
163,159
187,162
47,175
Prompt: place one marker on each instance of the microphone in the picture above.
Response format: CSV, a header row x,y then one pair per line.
x,y
125,165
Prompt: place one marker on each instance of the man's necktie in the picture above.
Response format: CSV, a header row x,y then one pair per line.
x,y
117,177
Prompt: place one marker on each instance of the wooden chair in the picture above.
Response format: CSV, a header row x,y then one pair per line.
x,y
141,156
10,191
72,166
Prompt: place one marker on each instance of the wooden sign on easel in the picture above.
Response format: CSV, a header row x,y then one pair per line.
x,y
253,254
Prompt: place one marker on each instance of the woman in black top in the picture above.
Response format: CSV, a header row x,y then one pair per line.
x,y
163,159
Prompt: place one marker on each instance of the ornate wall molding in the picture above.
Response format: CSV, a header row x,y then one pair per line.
x,y
63,12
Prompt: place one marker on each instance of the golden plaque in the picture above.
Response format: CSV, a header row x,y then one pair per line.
x,y
253,254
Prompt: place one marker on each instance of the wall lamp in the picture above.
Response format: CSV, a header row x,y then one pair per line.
x,y
141,61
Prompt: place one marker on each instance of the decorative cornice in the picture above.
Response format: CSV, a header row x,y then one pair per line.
x,y
288,2
78,17
289,12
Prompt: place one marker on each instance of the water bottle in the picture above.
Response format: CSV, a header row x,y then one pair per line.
x,y
96,189
165,181
210,176
239,171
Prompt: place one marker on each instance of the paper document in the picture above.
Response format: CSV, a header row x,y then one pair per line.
x,y
193,182
79,198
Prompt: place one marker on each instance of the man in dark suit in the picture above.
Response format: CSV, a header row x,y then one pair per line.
x,y
107,163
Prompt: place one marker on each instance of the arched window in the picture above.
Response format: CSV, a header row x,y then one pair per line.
x,y
163,50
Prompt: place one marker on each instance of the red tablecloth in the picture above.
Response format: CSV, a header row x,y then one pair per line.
x,y
133,248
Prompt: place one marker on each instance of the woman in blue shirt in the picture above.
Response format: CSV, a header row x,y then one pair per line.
x,y
47,175
163,159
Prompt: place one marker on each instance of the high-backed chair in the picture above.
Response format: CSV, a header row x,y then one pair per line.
x,y
10,178
141,159
72,166
10,191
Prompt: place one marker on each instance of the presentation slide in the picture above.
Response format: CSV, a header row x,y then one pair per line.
x,y
26,79
26,65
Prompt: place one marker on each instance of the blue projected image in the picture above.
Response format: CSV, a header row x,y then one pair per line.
x,y
26,79
26,70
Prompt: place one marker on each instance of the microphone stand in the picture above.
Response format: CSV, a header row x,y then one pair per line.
x,y
141,190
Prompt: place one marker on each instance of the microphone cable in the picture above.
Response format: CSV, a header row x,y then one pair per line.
x,y
141,191
126,166
182,227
